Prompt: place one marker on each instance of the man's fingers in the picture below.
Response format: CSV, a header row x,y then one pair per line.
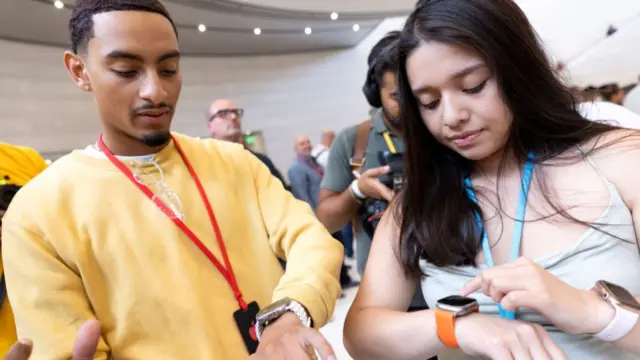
x,y
318,342
293,348
20,350
87,341
385,192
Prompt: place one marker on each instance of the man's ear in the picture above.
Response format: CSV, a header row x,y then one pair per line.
x,y
76,67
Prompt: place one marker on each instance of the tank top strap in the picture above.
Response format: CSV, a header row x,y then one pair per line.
x,y
595,167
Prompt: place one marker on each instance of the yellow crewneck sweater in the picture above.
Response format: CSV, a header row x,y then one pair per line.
x,y
18,165
7,325
82,242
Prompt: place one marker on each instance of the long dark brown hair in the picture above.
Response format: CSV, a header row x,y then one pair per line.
x,y
435,215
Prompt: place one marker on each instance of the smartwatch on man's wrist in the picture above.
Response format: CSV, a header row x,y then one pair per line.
x,y
627,310
448,309
274,311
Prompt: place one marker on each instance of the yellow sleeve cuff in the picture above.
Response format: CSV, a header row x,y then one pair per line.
x,y
319,309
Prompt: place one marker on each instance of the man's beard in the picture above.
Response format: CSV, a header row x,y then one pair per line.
x,y
391,122
156,139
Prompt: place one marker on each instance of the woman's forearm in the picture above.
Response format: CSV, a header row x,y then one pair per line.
x,y
375,333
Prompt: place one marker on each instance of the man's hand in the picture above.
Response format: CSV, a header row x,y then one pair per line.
x,y
370,185
84,348
288,339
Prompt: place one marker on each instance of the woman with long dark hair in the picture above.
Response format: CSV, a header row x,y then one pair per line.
x,y
517,215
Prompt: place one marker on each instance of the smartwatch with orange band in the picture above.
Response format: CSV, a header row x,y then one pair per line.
x,y
447,310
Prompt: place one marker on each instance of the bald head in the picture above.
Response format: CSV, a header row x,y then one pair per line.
x,y
225,121
327,136
302,145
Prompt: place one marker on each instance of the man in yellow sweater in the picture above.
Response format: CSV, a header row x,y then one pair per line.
x,y
18,165
170,242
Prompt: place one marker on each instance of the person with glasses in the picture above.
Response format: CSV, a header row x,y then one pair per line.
x,y
225,124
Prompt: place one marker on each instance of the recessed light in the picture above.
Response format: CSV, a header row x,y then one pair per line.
x,y
334,16
202,28
58,4
356,27
307,30
257,31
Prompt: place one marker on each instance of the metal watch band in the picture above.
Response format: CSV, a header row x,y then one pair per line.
x,y
292,306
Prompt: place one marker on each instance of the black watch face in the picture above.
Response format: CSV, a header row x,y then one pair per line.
x,y
457,301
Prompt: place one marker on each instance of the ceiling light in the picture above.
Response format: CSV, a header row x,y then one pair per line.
x,y
202,28
257,31
307,30
356,27
58,4
334,16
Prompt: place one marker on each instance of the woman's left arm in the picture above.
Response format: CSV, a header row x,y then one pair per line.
x,y
632,340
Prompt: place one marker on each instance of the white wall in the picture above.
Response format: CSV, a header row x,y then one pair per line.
x,y
282,95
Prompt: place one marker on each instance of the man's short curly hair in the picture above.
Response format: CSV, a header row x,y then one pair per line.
x,y
81,23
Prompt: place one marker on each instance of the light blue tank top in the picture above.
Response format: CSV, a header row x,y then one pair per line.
x,y
593,257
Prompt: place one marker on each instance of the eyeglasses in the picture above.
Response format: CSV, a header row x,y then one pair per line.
x,y
226,113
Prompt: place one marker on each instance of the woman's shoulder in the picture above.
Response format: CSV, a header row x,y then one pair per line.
x,y
614,145
617,156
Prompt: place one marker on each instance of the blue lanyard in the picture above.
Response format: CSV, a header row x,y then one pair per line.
x,y
516,239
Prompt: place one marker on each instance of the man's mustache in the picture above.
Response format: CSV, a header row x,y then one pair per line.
x,y
161,107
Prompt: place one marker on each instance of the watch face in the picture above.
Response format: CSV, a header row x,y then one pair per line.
x,y
621,295
457,301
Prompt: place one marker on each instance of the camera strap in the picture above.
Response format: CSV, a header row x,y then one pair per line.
x,y
360,146
387,139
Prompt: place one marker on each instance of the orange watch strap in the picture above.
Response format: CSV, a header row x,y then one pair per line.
x,y
445,326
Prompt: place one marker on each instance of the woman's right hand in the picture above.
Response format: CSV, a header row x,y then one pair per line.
x,y
500,339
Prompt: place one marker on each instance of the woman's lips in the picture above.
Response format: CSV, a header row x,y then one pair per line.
x,y
467,139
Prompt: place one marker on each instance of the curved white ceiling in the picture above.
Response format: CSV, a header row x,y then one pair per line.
x,y
339,6
230,27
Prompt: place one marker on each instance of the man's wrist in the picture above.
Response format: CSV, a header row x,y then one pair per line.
x,y
287,319
284,308
355,190
353,196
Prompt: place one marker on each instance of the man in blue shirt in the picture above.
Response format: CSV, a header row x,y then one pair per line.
x,y
305,175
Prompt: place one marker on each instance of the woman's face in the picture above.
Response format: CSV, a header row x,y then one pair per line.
x,y
459,99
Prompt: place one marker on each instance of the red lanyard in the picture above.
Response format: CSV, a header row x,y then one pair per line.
x,y
226,271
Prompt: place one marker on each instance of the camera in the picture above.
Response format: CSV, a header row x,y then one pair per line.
x,y
393,179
